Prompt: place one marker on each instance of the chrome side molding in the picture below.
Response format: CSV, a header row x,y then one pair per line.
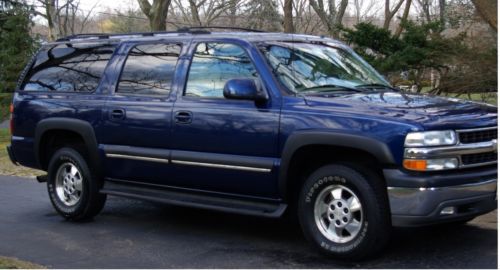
x,y
220,166
160,160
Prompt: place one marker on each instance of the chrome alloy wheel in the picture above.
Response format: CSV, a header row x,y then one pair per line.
x,y
338,213
69,184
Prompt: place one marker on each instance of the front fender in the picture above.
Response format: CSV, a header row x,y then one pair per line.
x,y
298,140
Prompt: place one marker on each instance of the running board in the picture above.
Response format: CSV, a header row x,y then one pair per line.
x,y
192,199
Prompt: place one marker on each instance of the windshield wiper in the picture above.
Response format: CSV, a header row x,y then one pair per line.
x,y
372,86
329,88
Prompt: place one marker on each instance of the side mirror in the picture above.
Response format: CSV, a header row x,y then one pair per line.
x,y
244,89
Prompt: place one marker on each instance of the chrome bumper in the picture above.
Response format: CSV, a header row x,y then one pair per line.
x,y
420,206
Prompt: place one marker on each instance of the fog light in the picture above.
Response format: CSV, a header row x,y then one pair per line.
x,y
450,210
442,164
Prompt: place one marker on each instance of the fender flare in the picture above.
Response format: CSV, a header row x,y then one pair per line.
x,y
378,149
81,127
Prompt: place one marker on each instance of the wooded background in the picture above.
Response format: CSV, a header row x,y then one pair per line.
x,y
444,47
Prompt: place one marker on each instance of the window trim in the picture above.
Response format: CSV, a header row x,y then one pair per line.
x,y
23,83
193,46
122,67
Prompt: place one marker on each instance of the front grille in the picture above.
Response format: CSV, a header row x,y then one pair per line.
x,y
478,135
479,158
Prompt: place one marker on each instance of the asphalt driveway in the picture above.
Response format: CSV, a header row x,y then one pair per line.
x,y
136,234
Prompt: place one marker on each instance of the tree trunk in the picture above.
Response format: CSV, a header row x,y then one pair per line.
x,y
288,19
52,21
195,14
442,12
389,14
156,13
329,16
406,13
340,13
488,11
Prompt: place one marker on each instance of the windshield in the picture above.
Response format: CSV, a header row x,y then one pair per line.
x,y
306,67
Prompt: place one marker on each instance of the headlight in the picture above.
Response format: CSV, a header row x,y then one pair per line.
x,y
431,138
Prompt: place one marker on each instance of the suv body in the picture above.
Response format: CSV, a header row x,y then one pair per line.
x,y
210,120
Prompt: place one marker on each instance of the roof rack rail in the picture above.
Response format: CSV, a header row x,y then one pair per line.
x,y
188,30
110,35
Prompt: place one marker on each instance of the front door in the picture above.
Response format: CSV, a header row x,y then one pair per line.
x,y
224,145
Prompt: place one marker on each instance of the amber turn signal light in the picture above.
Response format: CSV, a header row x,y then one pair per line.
x,y
415,164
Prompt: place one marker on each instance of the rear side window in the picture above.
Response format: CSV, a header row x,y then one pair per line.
x,y
68,68
149,69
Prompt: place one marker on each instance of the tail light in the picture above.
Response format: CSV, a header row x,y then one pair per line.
x,y
11,110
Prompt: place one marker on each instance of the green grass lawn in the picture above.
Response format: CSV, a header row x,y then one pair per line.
x,y
491,98
5,100
487,97
6,166
13,263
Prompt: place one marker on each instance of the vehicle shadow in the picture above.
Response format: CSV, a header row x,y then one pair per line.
x,y
281,244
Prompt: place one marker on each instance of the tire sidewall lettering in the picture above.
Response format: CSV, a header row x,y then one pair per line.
x,y
320,183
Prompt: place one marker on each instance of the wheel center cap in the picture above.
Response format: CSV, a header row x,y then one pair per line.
x,y
339,213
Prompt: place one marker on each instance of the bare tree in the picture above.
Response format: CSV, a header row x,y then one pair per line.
x,y
50,14
365,11
156,13
64,17
404,18
306,20
205,12
263,14
487,9
442,12
425,6
288,17
330,14
390,13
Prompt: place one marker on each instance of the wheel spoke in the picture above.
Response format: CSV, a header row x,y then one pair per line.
x,y
353,227
73,197
73,171
78,184
354,204
337,193
334,230
322,208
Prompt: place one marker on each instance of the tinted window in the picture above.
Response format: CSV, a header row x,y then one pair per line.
x,y
149,69
68,68
213,65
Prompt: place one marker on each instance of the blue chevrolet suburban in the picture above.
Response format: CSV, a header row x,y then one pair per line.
x,y
251,123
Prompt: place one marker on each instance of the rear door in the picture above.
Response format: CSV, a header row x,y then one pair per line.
x,y
137,121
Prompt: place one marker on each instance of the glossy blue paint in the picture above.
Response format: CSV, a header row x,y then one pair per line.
x,y
232,127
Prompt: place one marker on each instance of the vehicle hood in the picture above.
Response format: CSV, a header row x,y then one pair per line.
x,y
431,112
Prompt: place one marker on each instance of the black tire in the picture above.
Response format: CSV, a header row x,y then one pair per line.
x,y
372,219
90,201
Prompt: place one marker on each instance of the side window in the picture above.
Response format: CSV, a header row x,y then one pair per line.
x,y
68,68
149,69
213,65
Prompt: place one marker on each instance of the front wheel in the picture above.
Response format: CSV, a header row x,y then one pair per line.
x,y
73,189
343,211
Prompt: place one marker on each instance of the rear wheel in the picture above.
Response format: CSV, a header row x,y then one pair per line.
x,y
344,212
73,189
